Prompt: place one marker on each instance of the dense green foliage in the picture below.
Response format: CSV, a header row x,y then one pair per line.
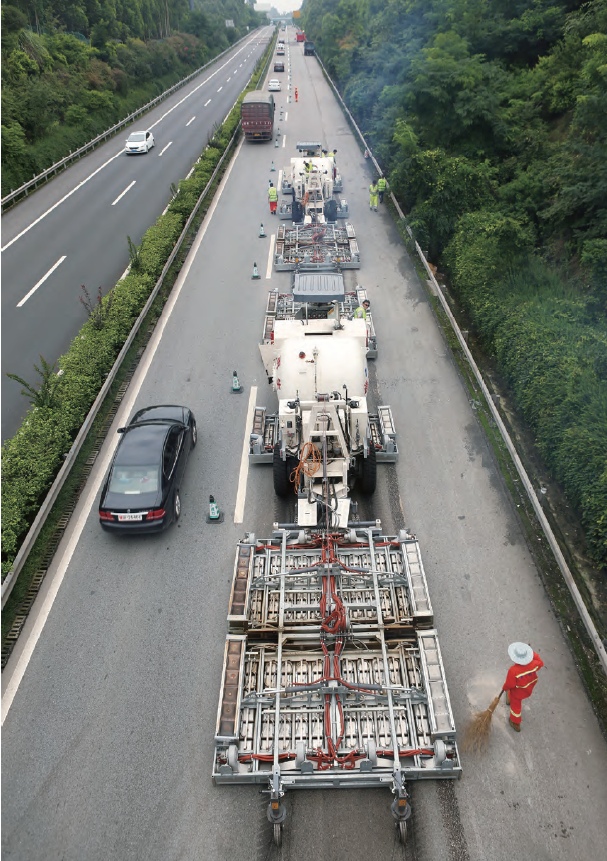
x,y
490,118
70,70
33,457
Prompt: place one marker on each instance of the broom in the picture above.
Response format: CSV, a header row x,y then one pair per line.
x,y
476,734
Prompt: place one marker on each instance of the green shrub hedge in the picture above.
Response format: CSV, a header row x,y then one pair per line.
x,y
552,349
33,457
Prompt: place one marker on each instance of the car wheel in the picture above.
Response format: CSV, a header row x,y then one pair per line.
x,y
194,434
176,506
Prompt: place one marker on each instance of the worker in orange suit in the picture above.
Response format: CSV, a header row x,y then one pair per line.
x,y
295,93
521,679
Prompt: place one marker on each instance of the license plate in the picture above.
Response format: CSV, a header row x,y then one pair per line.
x,y
123,517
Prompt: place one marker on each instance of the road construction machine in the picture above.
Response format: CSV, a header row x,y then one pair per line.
x,y
323,440
311,180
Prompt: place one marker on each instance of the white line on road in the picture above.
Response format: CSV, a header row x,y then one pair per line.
x,y
129,186
42,280
235,70
286,116
270,256
123,413
279,179
244,460
284,139
229,79
207,103
59,202
105,164
165,149
220,89
190,121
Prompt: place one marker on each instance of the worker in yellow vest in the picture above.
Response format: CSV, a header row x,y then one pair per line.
x,y
273,198
373,191
361,311
381,187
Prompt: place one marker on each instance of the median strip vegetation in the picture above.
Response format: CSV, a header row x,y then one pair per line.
x,y
33,457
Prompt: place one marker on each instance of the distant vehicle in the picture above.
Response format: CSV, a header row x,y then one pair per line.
x,y
274,85
279,66
140,142
280,50
300,37
281,41
141,491
257,115
308,49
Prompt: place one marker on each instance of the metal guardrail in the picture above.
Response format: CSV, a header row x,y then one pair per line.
x,y
53,493
68,159
546,528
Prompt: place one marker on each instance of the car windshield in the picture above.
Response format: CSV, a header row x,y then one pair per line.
x,y
134,480
137,136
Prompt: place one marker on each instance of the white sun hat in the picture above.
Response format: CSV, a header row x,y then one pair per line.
x,y
520,653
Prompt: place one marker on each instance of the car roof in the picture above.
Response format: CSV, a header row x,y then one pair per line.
x,y
168,412
143,444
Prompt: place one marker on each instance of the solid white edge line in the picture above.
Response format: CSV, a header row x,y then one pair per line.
x,y
244,460
42,280
165,149
124,411
105,164
270,255
128,188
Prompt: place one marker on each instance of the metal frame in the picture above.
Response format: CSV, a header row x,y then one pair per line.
x,y
316,247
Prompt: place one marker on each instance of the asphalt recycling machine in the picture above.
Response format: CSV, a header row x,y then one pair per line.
x,y
332,674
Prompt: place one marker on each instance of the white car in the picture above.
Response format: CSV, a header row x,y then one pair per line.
x,y
139,142
274,85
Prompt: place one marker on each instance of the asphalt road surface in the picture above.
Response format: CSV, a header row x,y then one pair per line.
x,y
108,737
74,230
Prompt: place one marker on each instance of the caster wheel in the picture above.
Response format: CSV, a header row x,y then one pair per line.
x,y
402,831
278,833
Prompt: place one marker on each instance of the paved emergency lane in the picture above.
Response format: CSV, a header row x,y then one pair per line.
x,y
85,215
107,747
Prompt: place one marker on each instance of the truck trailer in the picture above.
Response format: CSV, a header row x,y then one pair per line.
x,y
257,116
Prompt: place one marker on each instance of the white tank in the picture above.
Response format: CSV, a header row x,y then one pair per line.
x,y
306,360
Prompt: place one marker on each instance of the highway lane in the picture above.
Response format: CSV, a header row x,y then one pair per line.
x,y
107,747
88,230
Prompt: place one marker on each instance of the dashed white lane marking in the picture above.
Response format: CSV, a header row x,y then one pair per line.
x,y
207,103
244,460
128,188
220,89
189,122
165,148
284,140
59,202
42,280
94,487
279,186
229,79
270,255
286,116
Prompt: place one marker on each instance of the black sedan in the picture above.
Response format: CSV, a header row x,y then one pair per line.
x,y
141,492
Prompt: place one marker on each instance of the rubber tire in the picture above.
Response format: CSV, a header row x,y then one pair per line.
x,y
368,472
330,209
280,474
401,827
176,506
297,212
277,833
194,435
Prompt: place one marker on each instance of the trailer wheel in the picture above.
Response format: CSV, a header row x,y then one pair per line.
x,y
296,211
368,472
331,210
277,833
402,831
280,473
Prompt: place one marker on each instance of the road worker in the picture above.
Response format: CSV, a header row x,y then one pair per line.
x,y
520,680
361,311
373,191
381,187
273,198
295,93
332,153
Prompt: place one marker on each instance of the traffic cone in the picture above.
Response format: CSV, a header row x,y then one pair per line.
x,y
277,131
262,232
272,168
236,387
214,515
255,274
276,142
